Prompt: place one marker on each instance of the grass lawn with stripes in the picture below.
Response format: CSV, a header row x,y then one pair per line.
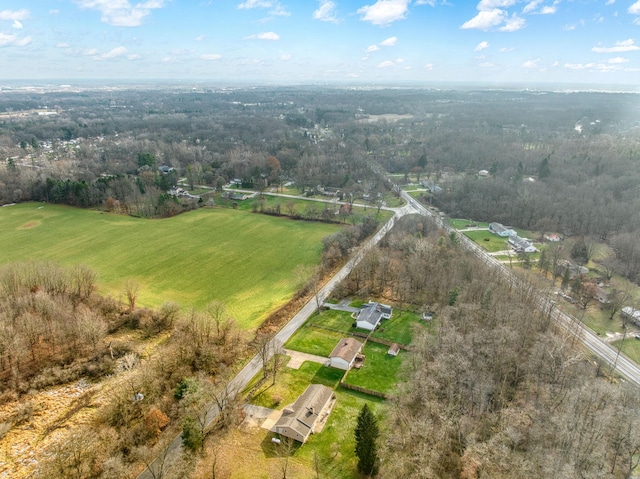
x,y
240,258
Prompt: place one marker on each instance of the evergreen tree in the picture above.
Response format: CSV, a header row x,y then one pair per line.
x,y
544,171
543,262
366,436
192,436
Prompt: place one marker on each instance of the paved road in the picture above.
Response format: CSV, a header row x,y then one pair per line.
x,y
611,356
238,383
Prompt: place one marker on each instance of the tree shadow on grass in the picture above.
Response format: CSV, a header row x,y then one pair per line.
x,y
286,448
327,376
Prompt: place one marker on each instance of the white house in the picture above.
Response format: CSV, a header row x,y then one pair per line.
x,y
631,314
500,230
345,353
371,314
521,245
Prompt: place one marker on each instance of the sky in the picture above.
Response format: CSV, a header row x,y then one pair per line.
x,y
322,41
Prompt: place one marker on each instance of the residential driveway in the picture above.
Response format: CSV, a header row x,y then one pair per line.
x,y
258,416
342,306
297,358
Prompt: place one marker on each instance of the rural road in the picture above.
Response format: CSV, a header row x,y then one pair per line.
x,y
162,463
611,356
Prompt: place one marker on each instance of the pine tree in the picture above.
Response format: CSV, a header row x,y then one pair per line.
x,y
366,435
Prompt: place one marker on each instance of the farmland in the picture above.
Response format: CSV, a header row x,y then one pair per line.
x,y
235,257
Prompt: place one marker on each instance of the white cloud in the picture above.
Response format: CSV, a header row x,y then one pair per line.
x,y
385,64
486,65
16,24
622,46
113,53
276,8
431,3
133,56
54,12
531,6
121,13
549,10
481,46
617,60
89,52
513,24
505,49
62,45
569,28
326,12
428,66
635,8
485,20
610,2
389,42
211,56
285,57
531,63
199,38
264,36
11,15
384,12
8,40
373,48
492,14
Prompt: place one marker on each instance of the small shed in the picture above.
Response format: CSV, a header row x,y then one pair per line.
x,y
394,349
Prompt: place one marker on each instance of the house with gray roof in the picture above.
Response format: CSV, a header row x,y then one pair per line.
x,y
305,416
371,314
501,230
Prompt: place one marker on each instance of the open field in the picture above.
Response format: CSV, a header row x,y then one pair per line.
x,y
460,224
488,241
209,254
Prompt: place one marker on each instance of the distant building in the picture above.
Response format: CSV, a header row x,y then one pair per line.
x,y
500,230
394,349
521,245
631,314
483,173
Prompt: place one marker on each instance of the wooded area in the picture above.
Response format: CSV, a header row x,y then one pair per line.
x,y
499,390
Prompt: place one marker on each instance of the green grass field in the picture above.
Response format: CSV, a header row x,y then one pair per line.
x,y
400,327
314,341
242,259
494,243
379,371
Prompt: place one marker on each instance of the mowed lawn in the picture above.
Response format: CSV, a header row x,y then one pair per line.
x,y
243,259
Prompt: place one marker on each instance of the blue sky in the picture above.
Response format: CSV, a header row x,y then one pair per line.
x,y
322,41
